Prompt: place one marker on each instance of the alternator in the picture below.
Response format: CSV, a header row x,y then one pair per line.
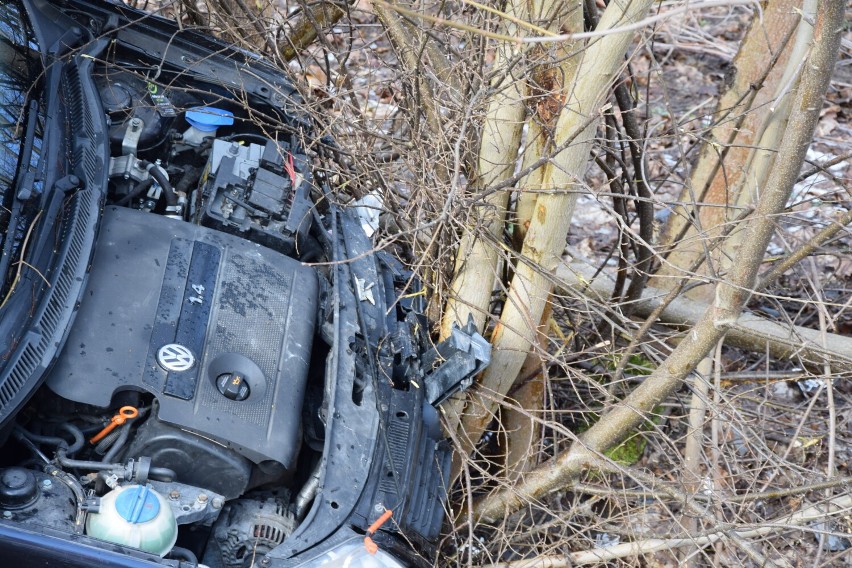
x,y
249,528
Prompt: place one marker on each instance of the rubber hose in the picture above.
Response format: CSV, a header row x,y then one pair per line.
x,y
49,440
190,178
162,474
180,553
30,445
140,188
160,177
79,439
118,445
65,461
105,444
158,473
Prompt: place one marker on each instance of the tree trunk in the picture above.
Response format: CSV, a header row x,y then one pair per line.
x,y
750,331
530,288
545,91
741,115
478,257
306,30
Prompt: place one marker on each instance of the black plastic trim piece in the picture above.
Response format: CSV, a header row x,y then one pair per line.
x,y
24,548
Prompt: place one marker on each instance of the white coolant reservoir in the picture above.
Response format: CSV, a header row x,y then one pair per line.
x,y
135,516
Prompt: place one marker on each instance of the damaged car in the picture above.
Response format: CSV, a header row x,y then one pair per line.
x,y
203,359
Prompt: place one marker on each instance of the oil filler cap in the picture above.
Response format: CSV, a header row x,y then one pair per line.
x,y
137,505
233,386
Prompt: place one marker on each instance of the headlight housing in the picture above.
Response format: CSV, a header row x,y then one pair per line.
x,y
352,554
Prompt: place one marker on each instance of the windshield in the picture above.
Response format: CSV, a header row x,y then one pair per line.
x,y
20,73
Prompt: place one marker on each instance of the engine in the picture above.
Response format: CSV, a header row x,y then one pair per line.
x,y
180,394
216,328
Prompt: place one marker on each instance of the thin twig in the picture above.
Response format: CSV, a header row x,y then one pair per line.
x,y
837,506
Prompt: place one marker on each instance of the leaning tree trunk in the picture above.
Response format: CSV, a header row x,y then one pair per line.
x,y
530,288
551,69
752,113
479,257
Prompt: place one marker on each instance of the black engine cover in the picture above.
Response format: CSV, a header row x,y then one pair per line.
x,y
162,288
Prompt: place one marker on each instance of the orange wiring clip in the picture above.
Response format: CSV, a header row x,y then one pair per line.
x,y
125,413
371,546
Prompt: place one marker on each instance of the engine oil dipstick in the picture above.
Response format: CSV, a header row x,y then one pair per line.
x,y
125,413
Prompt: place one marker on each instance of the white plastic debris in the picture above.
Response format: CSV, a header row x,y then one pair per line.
x,y
369,208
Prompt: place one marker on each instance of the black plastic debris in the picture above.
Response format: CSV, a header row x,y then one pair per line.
x,y
452,364
834,540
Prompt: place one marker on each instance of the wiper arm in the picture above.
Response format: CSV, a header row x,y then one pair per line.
x,y
6,255
24,184
27,174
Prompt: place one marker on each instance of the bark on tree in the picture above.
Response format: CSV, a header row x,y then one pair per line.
x,y
553,69
478,257
306,30
750,331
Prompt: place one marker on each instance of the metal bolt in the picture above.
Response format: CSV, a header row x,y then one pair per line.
x,y
174,494
46,483
378,508
7,514
265,561
217,503
135,123
202,498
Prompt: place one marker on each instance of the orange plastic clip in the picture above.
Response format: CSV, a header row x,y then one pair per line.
x,y
371,546
125,413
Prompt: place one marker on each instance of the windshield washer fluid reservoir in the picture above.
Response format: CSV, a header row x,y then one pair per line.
x,y
135,516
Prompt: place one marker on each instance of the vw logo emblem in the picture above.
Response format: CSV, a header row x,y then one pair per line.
x,y
175,357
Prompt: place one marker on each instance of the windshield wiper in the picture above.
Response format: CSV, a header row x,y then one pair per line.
x,y
24,185
27,174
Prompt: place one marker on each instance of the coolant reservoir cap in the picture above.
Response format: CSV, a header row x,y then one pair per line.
x,y
137,505
208,119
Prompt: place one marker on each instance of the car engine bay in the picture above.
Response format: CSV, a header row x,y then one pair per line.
x,y
194,341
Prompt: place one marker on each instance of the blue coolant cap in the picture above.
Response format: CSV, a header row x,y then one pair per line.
x,y
208,119
137,505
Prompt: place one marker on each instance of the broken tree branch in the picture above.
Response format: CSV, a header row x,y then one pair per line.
x,y
750,331
308,27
